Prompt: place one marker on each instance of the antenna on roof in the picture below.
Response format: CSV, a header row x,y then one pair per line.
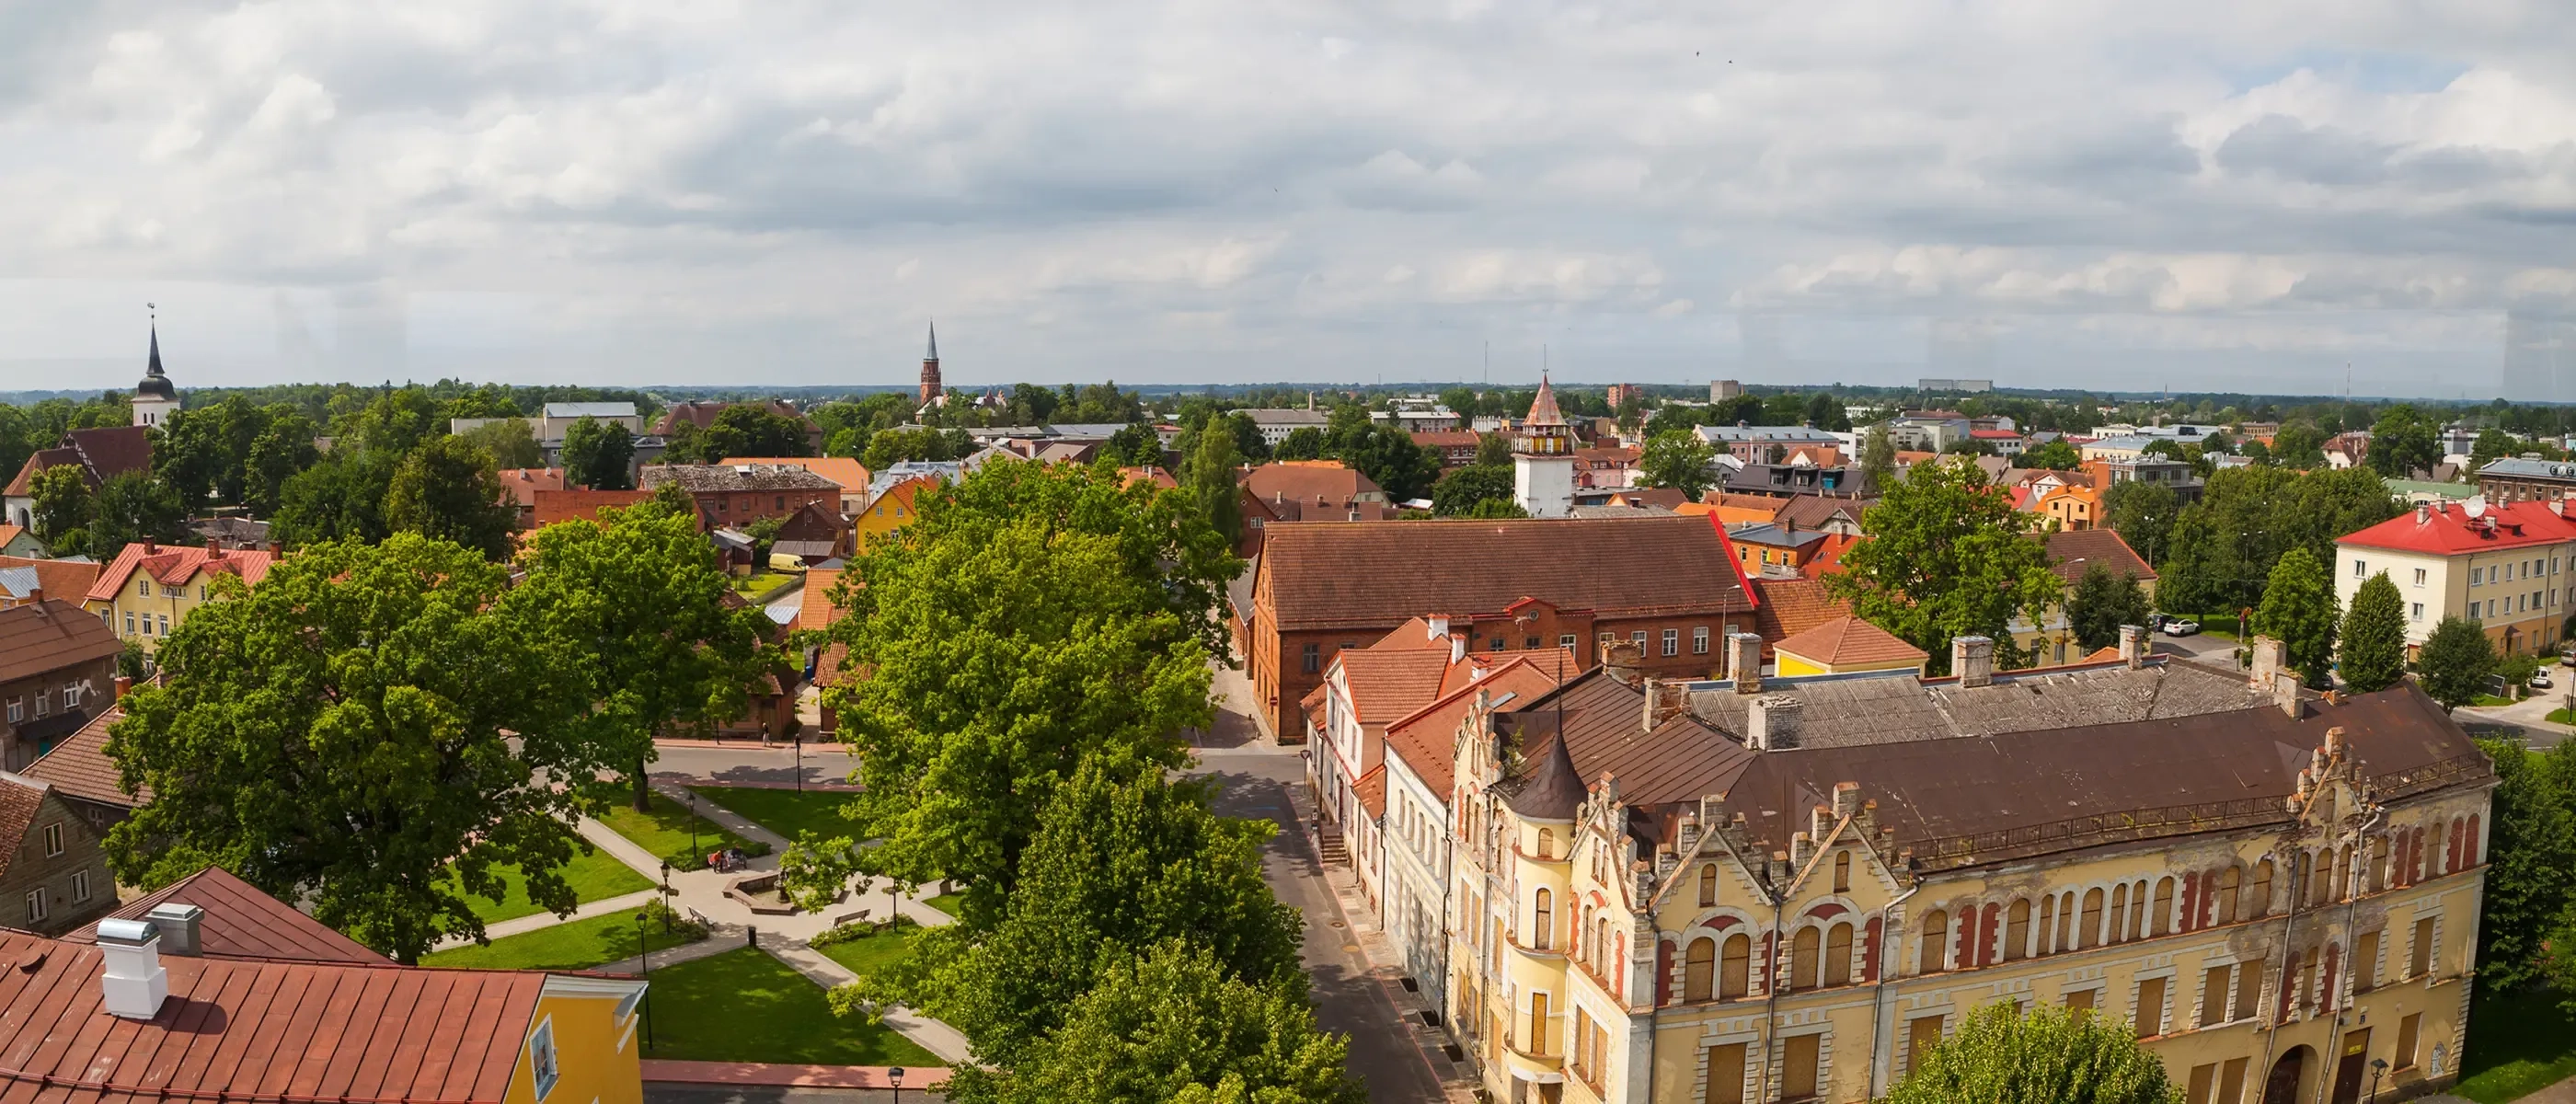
x,y
2474,506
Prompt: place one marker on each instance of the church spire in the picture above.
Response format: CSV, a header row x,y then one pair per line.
x,y
153,367
931,387
932,355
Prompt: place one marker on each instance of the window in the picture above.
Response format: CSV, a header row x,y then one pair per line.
x,y
1842,871
1494,645
1699,967
1936,937
1313,658
1725,1074
71,695
44,702
1798,1067
2089,932
1536,1041
2227,886
1638,638
205,591
54,839
2258,900
1672,642
1566,641
17,710
80,886
2249,988
2420,958
2202,1078
1802,958
2408,1030
1838,955
2080,1000
165,624
542,1061
35,905
1699,640
129,623
1922,1033
2017,930
1542,920
2365,962
2416,613
2360,570
2213,999
1707,887
2419,576
2150,1019
143,587
1735,967
1546,844
2162,921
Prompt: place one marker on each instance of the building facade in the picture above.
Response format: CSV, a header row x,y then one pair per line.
x,y
1827,906
2505,566
735,495
2514,479
1543,459
55,876
148,590
57,670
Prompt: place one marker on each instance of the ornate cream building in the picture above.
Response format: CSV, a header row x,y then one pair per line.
x,y
1739,891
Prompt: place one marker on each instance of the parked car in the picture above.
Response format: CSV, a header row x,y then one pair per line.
x,y
2540,680
2181,626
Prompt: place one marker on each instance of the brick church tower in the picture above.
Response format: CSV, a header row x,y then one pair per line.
x,y
930,388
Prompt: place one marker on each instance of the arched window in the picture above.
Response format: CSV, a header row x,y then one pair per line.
x,y
1802,958
2138,911
1838,955
1546,842
2321,878
1708,887
1936,942
2066,921
1842,871
2229,881
1600,944
2471,845
2088,931
1735,967
1542,921
2160,921
2048,924
2300,869
2258,897
1697,965
2119,913
2378,876
2342,872
2017,930
2415,863
2451,859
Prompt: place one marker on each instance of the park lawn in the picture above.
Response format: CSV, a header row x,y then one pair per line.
x,y
869,954
2518,1045
665,830
950,903
786,812
744,1006
596,876
574,945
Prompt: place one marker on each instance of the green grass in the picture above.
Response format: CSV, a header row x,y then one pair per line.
x,y
2518,1045
664,830
760,582
2562,716
597,876
2489,701
949,903
577,945
868,954
786,812
744,1006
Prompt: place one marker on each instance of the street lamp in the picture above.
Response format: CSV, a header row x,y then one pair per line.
x,y
894,1077
666,877
2377,1066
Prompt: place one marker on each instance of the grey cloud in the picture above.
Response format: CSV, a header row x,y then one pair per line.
x,y
2287,148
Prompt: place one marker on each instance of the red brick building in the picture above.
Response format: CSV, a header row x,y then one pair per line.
x,y
735,495
1670,583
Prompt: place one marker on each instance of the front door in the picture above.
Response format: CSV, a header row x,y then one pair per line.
x,y
2349,1067
2283,1086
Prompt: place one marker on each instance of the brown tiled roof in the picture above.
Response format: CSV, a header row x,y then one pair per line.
x,y
1386,685
79,766
570,503
242,922
524,483
50,635
814,608
1678,760
1423,740
25,482
111,451
2071,551
1663,497
1903,708
66,579
1849,640
849,473
727,478
1793,606
255,1031
1371,789
20,797
1445,438
1310,483
1320,575
1809,511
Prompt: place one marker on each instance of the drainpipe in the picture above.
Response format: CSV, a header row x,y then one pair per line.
x,y
1886,964
2289,927
1448,1009
2361,849
1771,985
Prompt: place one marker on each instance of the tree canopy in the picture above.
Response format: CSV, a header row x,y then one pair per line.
x,y
2299,610
1947,556
447,489
2372,644
2456,660
1679,459
1464,489
599,455
2403,442
2223,547
1212,476
2049,1053
2531,875
2054,455
2101,603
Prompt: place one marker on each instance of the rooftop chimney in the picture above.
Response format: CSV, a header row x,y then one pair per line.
x,y
1744,661
132,981
1665,700
1771,724
2267,659
1438,626
1621,660
2285,692
36,594
1457,646
1972,658
178,924
124,686
2133,645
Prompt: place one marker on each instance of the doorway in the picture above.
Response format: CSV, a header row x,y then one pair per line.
x,y
2282,1087
2349,1066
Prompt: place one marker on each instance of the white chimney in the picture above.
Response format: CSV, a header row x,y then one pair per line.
x,y
133,982
179,927
2133,645
1972,659
1744,662
1439,626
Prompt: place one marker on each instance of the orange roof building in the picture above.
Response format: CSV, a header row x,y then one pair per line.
x,y
148,590
1844,646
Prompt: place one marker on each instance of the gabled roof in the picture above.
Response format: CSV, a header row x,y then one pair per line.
x,y
111,451
524,483
1850,640
178,565
2448,529
51,635
1309,482
20,798
731,478
66,579
242,922
1423,740
814,608
79,766
2072,551
1371,790
1388,684
1322,575
1793,606
25,482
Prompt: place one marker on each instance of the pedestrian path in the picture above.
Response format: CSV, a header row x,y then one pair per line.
x,y
936,1037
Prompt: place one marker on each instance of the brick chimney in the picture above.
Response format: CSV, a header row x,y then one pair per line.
x,y
35,594
1972,658
1665,700
2268,658
124,686
1621,659
1771,724
2133,645
1744,661
2285,692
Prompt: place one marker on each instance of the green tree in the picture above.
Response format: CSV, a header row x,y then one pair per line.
x,y
1302,443
340,498
1120,861
135,506
599,455
2255,451
1213,483
632,613
2049,1054
2299,610
1029,616
2455,662
283,447
2402,442
1825,412
396,422
448,490
1493,450
2299,445
378,687
1878,458
2224,546
1492,509
1135,446
1170,1025
2102,602
2493,444
1680,460
1464,488
2143,514
1387,455
1947,556
2531,877
64,507
2372,646
2054,455
510,442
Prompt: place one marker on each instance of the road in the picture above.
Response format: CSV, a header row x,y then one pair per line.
x,y
740,761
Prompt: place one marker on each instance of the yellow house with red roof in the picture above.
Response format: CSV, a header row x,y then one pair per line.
x,y
1846,645
149,589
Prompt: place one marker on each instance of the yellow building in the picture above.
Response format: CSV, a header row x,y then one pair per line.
x,y
889,511
148,589
1843,646
1796,886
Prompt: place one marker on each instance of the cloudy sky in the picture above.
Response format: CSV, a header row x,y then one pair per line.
x,y
2188,193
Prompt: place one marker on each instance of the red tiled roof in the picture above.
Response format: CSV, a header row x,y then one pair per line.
x,y
1308,482
1994,435
1321,575
66,579
570,503
2446,529
524,483
1371,789
1386,685
1849,640
177,565
814,609
111,451
243,922
50,635
2071,551
849,473
25,482
247,1030
79,766
1423,739
1792,606
1446,438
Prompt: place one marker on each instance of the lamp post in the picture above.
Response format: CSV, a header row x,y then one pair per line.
x,y
894,1077
2378,1066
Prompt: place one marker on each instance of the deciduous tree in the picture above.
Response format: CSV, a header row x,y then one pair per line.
x,y
1878,457
1302,443
134,506
1212,479
2054,455
1464,488
2143,514
509,441
2299,610
1387,455
64,508
1680,460
2372,646
1947,556
2101,603
2050,1053
447,489
2530,891
599,455
2455,662
2402,442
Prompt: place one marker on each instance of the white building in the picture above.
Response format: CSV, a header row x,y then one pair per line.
x,y
1543,459
154,398
1276,425
2511,567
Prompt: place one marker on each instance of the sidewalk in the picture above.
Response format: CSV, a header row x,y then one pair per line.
x,y
936,1037
2531,715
